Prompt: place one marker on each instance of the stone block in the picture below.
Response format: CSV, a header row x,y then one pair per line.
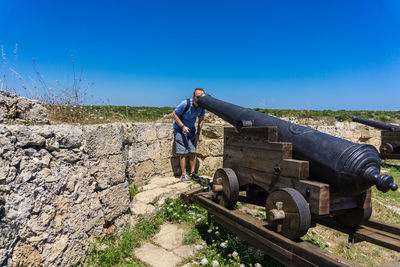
x,y
163,166
149,196
138,152
213,131
108,171
167,148
68,136
170,236
210,148
114,201
165,130
156,256
143,170
104,139
141,209
144,132
209,165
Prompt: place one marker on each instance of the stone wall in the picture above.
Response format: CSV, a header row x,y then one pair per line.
x,y
62,184
15,109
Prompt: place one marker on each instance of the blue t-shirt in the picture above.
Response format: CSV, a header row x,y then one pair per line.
x,y
190,116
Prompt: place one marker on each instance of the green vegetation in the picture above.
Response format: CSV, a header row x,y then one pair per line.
x,y
133,191
213,242
116,250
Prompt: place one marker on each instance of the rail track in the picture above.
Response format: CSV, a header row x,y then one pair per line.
x,y
294,252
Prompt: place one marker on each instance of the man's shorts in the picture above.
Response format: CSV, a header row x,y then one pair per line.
x,y
185,143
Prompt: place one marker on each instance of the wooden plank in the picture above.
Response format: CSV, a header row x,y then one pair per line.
x,y
295,168
273,250
255,158
319,257
257,133
390,133
378,239
394,140
394,229
318,196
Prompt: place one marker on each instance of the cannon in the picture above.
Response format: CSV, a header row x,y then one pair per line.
x,y
390,137
304,174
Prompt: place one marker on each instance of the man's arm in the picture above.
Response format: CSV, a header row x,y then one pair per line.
x,y
178,121
199,126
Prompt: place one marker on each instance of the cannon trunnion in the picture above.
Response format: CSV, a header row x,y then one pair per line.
x,y
327,176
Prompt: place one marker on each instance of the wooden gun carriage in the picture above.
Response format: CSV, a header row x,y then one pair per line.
x,y
390,137
304,174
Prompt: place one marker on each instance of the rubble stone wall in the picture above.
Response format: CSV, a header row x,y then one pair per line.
x,y
15,109
62,185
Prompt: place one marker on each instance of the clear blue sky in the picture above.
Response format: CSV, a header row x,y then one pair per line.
x,y
272,54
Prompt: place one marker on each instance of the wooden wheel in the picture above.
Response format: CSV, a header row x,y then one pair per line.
x,y
225,187
288,213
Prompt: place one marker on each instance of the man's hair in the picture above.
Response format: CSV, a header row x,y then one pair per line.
x,y
200,89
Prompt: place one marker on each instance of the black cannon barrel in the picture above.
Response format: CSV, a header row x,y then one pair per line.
x,y
348,167
377,124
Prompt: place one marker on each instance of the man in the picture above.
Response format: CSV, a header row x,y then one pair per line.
x,y
186,136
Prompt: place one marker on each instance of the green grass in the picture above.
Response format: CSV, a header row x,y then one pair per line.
x,y
133,191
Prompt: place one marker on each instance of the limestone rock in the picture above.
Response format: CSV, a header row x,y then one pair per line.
x,y
156,257
115,201
170,236
104,139
151,195
140,209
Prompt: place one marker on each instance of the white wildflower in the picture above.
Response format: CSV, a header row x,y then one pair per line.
x,y
198,247
257,265
224,245
234,254
199,220
204,262
209,230
242,265
215,263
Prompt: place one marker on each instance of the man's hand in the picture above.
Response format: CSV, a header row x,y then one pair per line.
x,y
185,129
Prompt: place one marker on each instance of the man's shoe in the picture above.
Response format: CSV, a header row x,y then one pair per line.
x,y
195,176
185,178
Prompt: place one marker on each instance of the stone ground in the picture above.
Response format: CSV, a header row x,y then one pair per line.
x,y
165,249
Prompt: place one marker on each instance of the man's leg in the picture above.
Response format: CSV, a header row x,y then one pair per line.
x,y
192,161
182,162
